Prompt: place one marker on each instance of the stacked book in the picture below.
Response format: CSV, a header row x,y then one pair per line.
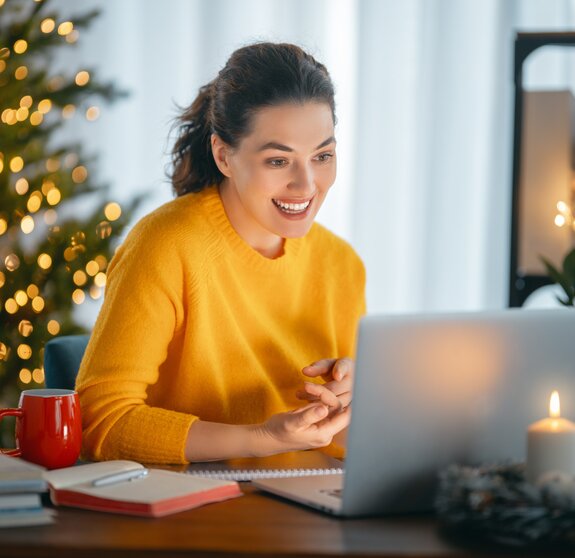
x,y
21,486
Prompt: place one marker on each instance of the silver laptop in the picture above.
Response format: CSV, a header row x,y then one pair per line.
x,y
431,390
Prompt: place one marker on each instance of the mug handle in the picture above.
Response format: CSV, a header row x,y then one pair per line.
x,y
11,413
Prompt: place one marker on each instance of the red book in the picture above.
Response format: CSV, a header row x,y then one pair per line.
x,y
127,487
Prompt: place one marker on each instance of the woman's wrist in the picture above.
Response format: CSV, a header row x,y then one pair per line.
x,y
212,441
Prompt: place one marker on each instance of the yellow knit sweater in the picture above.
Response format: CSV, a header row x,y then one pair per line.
x,y
197,324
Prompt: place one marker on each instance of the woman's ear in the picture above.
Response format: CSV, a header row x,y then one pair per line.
x,y
221,151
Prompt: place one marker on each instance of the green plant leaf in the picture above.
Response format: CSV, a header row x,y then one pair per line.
x,y
560,278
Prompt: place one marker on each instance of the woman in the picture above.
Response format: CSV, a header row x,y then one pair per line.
x,y
218,301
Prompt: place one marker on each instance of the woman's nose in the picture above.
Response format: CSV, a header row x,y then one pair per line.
x,y
302,180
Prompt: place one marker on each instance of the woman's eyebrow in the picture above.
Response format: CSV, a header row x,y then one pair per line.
x,y
281,147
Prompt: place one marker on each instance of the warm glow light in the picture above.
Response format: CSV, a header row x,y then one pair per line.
x,y
50,216
82,78
32,290
11,306
68,111
22,113
24,351
45,106
20,46
54,196
65,27
25,328
2,66
34,201
38,304
79,278
92,268
26,101
12,262
44,261
79,174
112,211
101,261
47,185
3,351
52,164
554,405
21,298
78,296
95,292
36,118
21,72
53,327
2,279
27,224
38,375
562,206
16,164
47,25
72,37
3,226
559,220
100,280
92,114
25,376
21,186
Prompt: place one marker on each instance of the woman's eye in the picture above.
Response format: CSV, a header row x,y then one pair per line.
x,y
324,157
278,163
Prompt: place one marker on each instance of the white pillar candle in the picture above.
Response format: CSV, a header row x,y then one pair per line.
x,y
550,444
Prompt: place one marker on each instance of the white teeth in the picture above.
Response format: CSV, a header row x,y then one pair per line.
x,y
292,207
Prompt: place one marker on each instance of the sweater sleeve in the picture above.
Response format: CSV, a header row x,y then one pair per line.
x,y
142,309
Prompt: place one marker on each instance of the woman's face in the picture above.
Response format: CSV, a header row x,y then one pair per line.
x,y
278,176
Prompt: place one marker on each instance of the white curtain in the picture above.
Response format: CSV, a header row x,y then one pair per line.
x,y
425,106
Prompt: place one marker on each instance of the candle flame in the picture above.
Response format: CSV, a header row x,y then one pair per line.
x,y
554,405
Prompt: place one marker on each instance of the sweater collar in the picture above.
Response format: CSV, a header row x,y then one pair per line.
x,y
217,215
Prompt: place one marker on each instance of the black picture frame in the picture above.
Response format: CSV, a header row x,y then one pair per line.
x,y
522,285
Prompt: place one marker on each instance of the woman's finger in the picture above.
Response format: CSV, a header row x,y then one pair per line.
x,y
324,395
320,368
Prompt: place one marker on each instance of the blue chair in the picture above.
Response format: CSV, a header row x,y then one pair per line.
x,y
62,357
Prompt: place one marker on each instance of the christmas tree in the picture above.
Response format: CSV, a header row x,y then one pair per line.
x,y
58,228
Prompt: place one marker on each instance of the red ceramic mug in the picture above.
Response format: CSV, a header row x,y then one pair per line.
x,y
48,427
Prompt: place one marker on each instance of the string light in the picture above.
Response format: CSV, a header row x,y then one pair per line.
x,y
26,101
21,72
112,211
3,226
21,186
21,298
3,351
82,78
50,216
79,174
36,118
68,111
2,279
93,113
4,52
20,46
34,201
78,296
25,328
16,164
24,351
27,224
45,106
32,290
2,66
100,279
54,196
79,278
38,375
25,376
53,327
73,36
47,25
65,27
44,261
101,261
92,268
95,292
47,185
12,262
103,229
11,306
52,164
38,304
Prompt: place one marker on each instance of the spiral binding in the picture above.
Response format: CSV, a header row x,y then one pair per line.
x,y
250,474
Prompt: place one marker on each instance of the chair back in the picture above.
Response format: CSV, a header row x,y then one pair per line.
x,y
62,358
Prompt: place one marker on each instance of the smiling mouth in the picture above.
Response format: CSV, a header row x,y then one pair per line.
x,y
292,208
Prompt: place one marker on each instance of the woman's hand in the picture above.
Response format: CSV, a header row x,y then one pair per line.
x,y
308,427
337,391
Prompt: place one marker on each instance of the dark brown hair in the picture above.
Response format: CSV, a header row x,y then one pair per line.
x,y
255,76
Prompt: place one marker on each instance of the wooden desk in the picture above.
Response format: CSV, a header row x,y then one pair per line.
x,y
255,525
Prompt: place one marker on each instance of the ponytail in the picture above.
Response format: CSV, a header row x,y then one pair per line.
x,y
194,167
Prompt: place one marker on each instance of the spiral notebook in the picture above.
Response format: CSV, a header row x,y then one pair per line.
x,y
291,464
